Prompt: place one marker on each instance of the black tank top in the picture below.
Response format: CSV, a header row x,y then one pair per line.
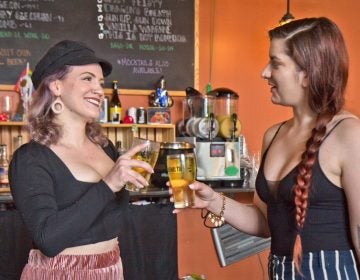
x,y
327,222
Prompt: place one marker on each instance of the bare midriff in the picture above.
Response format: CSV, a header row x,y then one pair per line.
x,y
91,249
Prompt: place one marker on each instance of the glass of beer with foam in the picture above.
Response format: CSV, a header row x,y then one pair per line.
x,y
181,169
149,154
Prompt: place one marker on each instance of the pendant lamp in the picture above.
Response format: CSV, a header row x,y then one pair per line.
x,y
288,16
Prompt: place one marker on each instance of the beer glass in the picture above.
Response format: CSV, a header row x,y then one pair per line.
x,y
182,172
149,155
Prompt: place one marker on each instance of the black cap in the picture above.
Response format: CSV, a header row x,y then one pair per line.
x,y
66,53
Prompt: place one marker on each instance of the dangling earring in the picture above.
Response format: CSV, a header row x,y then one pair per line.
x,y
57,106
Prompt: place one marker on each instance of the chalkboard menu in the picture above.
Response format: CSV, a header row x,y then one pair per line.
x,y
143,39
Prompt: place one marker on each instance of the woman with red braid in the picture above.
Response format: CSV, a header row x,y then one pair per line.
x,y
308,185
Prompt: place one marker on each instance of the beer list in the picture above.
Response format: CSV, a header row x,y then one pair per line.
x,y
145,38
142,24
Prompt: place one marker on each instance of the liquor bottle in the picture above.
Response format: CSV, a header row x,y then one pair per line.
x,y
4,167
115,105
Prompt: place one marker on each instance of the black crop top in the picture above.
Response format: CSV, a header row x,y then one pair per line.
x,y
58,210
327,223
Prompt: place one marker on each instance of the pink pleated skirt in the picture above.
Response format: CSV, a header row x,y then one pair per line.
x,y
105,266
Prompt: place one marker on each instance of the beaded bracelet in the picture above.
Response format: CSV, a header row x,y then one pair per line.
x,y
216,220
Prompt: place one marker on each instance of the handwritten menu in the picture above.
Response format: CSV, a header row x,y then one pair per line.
x,y
143,39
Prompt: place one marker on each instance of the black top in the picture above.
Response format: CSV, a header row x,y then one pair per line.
x,y
60,211
327,221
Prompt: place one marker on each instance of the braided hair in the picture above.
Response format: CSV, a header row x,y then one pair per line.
x,y
318,48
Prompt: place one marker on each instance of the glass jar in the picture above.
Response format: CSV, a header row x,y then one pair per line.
x,y
160,176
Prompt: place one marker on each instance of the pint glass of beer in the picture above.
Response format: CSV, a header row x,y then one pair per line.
x,y
182,172
149,154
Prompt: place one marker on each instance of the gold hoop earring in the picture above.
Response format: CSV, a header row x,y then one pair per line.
x,y
57,106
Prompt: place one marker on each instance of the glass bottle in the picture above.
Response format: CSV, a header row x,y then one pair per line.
x,y
119,148
18,141
104,118
115,105
4,167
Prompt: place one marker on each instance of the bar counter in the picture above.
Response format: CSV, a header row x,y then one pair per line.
x,y
148,244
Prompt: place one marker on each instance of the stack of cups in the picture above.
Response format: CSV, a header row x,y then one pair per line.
x,y
244,158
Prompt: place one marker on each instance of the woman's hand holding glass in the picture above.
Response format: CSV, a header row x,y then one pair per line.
x,y
208,201
124,170
204,195
149,154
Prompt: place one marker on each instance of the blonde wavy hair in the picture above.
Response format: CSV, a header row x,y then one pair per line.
x,y
41,125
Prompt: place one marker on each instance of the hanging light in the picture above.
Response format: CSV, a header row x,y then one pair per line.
x,y
288,16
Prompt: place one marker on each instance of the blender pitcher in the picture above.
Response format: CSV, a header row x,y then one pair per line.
x,y
225,110
201,122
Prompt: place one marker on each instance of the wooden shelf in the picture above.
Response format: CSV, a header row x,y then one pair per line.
x,y
11,123
122,91
125,133
131,125
116,125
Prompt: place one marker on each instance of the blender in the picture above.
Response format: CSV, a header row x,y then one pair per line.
x,y
226,108
218,158
198,117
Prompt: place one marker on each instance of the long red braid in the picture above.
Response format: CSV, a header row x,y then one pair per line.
x,y
303,182
318,48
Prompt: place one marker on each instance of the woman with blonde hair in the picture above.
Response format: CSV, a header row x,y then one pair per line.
x,y
67,182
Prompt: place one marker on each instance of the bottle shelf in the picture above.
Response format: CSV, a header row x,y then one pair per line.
x,y
122,91
118,125
126,132
115,132
135,126
11,123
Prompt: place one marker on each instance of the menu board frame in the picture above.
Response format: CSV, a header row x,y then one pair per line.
x,y
193,71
